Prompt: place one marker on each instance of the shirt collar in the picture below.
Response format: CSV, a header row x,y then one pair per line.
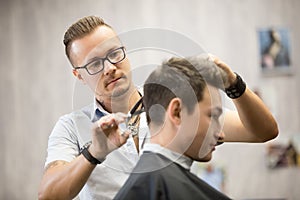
x,y
99,111
180,159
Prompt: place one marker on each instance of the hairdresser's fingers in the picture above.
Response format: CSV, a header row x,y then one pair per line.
x,y
231,76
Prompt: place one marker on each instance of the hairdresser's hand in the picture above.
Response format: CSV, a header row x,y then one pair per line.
x,y
231,76
107,136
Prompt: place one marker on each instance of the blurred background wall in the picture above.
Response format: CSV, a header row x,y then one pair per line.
x,y
37,85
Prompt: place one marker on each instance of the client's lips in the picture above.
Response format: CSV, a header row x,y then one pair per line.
x,y
213,148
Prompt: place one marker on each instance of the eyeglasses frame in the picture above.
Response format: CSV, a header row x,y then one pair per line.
x,y
103,60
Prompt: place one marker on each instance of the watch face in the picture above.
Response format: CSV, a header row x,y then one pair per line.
x,y
87,145
237,89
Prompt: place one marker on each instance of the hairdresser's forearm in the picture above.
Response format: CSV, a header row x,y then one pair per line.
x,y
65,180
258,124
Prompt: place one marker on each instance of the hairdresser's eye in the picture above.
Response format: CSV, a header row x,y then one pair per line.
x,y
95,66
116,56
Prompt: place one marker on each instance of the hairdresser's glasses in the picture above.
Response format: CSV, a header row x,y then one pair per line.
x,y
97,64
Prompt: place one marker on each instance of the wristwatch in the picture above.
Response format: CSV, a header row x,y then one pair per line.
x,y
236,90
85,152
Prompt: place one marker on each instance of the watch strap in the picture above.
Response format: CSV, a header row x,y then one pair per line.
x,y
85,152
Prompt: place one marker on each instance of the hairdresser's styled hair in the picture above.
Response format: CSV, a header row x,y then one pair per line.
x,y
81,28
185,78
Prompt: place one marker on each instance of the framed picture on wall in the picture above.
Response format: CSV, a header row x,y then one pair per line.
x,y
274,44
284,151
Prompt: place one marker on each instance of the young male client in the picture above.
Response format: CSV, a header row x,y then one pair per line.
x,y
183,108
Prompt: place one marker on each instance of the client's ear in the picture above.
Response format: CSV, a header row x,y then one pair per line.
x,y
174,110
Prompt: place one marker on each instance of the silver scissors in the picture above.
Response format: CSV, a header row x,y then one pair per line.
x,y
133,112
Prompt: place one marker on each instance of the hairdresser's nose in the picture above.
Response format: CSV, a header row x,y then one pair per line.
x,y
109,68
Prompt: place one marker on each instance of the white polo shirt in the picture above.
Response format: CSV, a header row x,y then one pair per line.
x,y
73,130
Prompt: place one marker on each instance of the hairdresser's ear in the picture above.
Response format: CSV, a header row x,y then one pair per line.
x,y
78,75
174,111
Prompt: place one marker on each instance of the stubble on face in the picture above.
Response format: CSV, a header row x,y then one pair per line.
x,y
98,44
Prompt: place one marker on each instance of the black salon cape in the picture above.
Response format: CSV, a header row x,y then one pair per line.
x,y
156,177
